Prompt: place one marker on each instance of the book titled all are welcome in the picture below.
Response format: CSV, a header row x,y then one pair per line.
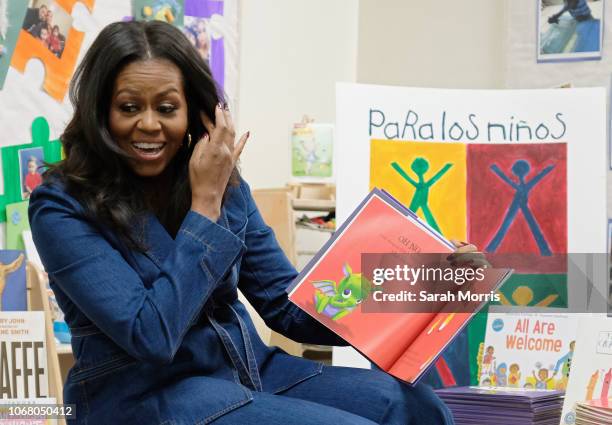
x,y
332,290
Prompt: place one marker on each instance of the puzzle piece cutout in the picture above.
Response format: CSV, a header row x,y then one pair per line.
x,y
52,151
12,14
170,11
58,71
16,223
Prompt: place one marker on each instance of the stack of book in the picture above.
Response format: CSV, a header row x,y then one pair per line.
x,y
501,406
594,412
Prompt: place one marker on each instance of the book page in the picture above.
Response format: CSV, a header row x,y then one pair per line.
x,y
445,326
376,227
428,345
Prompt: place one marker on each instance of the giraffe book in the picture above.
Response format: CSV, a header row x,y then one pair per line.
x,y
402,326
23,355
591,373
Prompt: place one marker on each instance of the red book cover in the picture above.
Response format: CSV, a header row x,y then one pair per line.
x,y
331,289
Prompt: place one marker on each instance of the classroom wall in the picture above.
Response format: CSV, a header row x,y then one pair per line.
x,y
291,55
443,43
523,72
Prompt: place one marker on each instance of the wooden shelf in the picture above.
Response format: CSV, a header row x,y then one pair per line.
x,y
63,348
313,204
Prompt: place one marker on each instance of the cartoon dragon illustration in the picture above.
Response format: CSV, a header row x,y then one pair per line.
x,y
338,300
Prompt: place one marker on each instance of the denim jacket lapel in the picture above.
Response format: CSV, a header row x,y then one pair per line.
x,y
158,240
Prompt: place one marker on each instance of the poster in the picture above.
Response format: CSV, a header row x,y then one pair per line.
x,y
507,170
312,148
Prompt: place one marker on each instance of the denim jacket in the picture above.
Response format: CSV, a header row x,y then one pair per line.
x,y
160,337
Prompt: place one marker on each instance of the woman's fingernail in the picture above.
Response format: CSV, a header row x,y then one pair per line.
x,y
248,134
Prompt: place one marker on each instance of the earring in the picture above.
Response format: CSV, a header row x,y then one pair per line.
x,y
188,140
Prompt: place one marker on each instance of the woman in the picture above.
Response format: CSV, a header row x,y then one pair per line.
x,y
147,230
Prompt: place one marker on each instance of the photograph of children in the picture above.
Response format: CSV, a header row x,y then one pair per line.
x,y
196,30
31,162
569,30
49,23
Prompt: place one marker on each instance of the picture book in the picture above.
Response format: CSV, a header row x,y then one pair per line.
x,y
312,152
13,293
594,412
503,406
591,374
527,348
402,332
23,355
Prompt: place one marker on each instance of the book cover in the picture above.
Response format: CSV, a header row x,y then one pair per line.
x,y
334,289
591,371
23,355
527,348
13,293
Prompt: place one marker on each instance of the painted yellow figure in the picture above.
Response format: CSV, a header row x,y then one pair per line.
x,y
523,296
5,270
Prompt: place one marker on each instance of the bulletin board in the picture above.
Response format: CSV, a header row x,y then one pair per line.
x,y
35,72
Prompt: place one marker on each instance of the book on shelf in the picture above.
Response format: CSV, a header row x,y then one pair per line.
x,y
13,288
400,326
23,355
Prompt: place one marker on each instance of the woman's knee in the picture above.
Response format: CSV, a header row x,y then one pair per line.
x,y
427,408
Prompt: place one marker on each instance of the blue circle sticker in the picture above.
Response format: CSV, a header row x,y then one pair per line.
x,y
498,325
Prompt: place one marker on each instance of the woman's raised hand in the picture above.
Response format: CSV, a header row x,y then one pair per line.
x,y
212,162
467,255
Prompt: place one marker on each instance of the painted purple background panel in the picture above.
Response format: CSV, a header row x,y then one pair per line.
x,y
205,9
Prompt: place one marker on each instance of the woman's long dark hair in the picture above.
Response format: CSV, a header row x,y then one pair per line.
x,y
95,170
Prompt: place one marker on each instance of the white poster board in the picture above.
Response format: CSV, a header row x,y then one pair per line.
x,y
576,117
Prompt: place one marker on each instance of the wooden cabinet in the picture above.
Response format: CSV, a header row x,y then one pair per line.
x,y
280,208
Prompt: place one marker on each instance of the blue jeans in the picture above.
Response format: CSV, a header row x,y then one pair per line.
x,y
342,395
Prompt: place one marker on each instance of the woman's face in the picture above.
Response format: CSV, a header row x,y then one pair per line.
x,y
148,114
